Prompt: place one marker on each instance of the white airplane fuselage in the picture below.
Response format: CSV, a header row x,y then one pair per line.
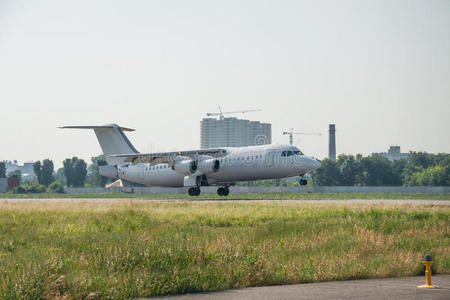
x,y
195,168
238,164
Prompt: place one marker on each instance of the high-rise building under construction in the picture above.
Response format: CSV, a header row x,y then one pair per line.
x,y
233,132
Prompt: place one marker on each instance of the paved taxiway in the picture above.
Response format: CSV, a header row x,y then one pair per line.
x,y
233,200
368,289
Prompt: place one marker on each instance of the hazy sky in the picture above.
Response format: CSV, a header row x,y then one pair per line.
x,y
380,70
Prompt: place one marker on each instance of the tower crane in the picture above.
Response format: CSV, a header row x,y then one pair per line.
x,y
220,113
291,133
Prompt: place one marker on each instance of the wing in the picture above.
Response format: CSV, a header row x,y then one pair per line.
x,y
168,157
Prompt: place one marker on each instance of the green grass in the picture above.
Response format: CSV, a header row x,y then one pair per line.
x,y
264,196
126,250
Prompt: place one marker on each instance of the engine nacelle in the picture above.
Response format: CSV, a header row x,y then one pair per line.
x,y
186,167
209,165
108,171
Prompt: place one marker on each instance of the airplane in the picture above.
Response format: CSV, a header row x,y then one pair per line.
x,y
223,166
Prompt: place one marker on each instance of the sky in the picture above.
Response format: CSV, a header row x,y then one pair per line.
x,y
379,70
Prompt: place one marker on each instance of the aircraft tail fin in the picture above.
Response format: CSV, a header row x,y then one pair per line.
x,y
112,140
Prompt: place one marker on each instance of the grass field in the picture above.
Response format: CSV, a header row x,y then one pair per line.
x,y
125,250
264,196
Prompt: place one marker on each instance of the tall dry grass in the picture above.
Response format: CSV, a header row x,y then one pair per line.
x,y
125,250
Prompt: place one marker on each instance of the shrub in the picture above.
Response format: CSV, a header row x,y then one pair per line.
x,y
56,187
30,187
36,188
20,190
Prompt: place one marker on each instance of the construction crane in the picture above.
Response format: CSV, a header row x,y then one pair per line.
x,y
291,133
220,113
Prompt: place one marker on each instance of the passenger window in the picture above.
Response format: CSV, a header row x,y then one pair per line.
x,y
283,153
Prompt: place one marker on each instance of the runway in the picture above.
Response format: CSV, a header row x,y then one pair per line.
x,y
387,288
230,200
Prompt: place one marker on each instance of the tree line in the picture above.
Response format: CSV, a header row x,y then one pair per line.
x,y
419,169
74,173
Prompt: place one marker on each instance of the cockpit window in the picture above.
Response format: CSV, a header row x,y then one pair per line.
x,y
290,153
287,153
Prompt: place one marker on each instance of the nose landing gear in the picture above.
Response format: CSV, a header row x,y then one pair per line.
x,y
223,191
303,182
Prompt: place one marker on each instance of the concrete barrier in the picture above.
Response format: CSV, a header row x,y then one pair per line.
x,y
3,185
271,189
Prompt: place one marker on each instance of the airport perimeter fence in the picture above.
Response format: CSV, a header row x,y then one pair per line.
x,y
271,189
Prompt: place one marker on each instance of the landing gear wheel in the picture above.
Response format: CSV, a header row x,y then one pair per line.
x,y
223,191
226,191
303,182
194,191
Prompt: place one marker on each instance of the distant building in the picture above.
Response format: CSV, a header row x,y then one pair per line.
x,y
26,171
393,153
233,132
13,182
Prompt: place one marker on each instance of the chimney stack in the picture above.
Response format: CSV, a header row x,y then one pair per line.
x,y
332,142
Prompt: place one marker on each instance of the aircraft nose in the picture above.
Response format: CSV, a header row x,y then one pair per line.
x,y
314,164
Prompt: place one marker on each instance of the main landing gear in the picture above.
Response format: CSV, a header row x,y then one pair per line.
x,y
223,191
194,191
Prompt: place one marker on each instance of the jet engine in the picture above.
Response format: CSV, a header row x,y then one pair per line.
x,y
209,165
185,166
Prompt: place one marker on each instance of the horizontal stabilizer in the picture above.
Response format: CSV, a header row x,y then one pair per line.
x,y
96,127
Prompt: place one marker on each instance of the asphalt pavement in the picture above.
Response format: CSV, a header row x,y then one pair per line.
x,y
368,289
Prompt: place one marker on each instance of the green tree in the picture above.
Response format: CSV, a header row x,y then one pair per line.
x,y
421,169
350,169
68,170
398,167
95,179
79,172
432,176
47,172
328,174
56,187
442,159
377,170
44,171
60,177
37,168
2,169
421,159
75,170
